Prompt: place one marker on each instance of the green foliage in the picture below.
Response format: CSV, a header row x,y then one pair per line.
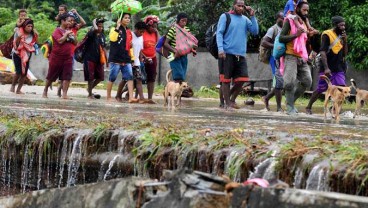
x,y
6,16
357,30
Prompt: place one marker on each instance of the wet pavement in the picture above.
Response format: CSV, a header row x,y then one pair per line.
x,y
194,113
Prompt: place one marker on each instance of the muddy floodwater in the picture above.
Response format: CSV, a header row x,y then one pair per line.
x,y
83,141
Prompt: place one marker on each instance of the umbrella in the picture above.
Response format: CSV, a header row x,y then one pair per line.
x,y
125,6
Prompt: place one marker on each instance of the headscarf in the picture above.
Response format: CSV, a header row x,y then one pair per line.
x,y
151,19
337,19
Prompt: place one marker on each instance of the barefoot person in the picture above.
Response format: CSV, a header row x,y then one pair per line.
x,y
297,75
232,49
95,56
333,54
267,42
119,58
73,26
61,59
150,39
24,40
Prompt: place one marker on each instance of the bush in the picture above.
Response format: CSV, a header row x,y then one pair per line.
x,y
6,16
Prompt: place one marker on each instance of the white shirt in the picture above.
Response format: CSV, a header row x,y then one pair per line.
x,y
137,47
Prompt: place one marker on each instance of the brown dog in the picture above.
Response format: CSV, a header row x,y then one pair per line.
x,y
360,98
337,95
173,89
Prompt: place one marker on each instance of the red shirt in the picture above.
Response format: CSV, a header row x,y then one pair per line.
x,y
61,51
149,44
129,39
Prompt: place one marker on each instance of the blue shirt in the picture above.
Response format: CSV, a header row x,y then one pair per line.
x,y
235,40
289,6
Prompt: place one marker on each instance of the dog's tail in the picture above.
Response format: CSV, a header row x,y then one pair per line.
x,y
353,84
324,77
168,74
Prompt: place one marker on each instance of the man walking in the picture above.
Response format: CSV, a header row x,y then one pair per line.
x,y
333,53
267,42
232,50
297,75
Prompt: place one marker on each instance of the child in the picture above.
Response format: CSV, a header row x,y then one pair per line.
x,y
290,12
22,15
62,9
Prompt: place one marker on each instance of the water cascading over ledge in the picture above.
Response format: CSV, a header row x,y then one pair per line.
x,y
34,157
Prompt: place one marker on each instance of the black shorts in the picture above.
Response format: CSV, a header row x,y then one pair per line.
x,y
18,64
233,67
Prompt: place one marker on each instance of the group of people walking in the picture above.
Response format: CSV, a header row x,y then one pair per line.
x,y
133,53
291,73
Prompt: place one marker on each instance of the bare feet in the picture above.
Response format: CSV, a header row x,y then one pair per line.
x,y
91,97
20,93
118,99
143,101
265,101
232,106
133,100
12,88
67,98
150,101
308,111
44,95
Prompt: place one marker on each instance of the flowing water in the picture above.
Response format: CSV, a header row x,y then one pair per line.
x,y
72,156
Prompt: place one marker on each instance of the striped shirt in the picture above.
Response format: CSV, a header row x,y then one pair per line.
x,y
171,35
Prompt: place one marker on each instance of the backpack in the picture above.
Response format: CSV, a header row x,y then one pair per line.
x,y
46,48
265,53
160,47
278,48
80,50
7,47
210,37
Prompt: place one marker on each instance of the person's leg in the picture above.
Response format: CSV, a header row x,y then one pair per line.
x,y
178,71
321,87
65,84
128,75
18,71
151,73
278,96
279,84
240,76
267,97
119,92
15,81
20,84
225,88
305,80
290,74
139,87
45,90
88,69
60,87
114,70
89,89
312,99
236,90
66,77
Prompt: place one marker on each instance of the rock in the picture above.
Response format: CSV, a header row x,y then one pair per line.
x,y
249,101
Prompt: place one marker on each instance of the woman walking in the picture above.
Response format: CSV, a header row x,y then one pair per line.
x,y
24,40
